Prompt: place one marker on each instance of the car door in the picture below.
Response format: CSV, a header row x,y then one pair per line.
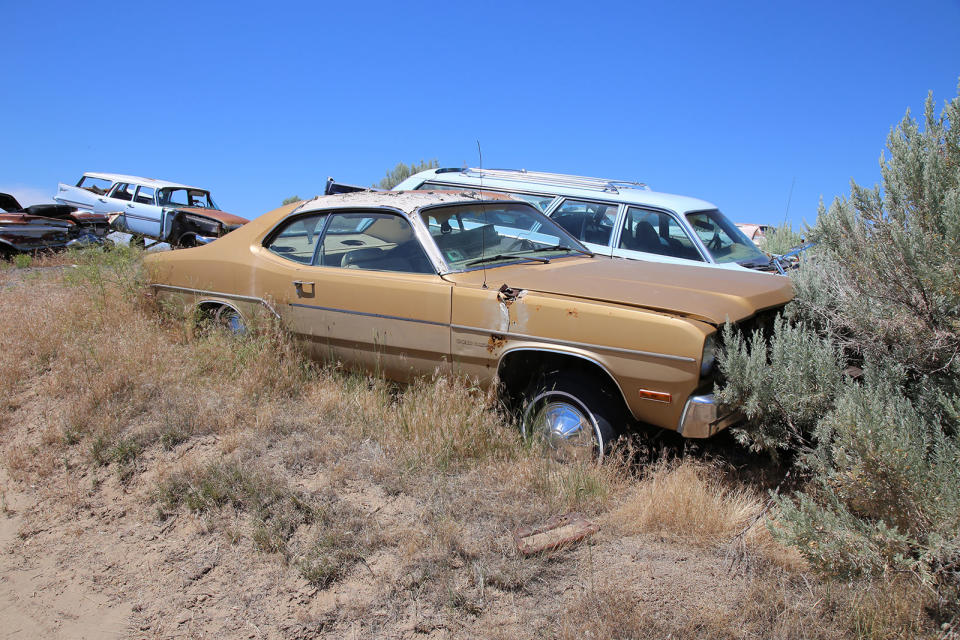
x,y
143,214
592,223
120,200
359,289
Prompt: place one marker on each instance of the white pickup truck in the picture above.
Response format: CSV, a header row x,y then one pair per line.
x,y
181,215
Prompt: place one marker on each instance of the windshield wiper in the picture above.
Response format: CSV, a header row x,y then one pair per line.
x,y
506,256
558,247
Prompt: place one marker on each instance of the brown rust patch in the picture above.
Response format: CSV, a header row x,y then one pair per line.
x,y
573,313
508,296
495,342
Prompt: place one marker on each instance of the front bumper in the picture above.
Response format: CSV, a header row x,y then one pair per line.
x,y
703,417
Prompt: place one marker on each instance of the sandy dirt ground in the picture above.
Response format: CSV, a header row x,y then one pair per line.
x,y
85,556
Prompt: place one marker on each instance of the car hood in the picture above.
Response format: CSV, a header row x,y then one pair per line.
x,y
226,218
703,293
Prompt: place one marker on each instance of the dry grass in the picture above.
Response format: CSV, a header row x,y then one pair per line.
x,y
329,472
687,501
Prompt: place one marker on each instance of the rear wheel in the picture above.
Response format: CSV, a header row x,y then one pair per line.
x,y
231,320
573,415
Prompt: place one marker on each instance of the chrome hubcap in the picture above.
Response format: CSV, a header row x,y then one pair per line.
x,y
230,320
565,430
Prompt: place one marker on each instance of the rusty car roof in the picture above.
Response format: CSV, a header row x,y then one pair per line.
x,y
406,201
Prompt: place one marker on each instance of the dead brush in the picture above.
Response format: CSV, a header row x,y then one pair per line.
x,y
688,501
613,611
438,424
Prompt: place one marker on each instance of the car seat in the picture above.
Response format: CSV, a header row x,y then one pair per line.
x,y
645,238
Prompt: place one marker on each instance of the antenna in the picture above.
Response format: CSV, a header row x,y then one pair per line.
x,y
483,232
789,197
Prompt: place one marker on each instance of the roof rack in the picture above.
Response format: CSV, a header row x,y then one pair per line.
x,y
556,179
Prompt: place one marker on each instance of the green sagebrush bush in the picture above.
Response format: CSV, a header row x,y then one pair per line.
x,y
781,239
859,378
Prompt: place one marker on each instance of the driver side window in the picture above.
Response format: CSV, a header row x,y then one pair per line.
x,y
656,232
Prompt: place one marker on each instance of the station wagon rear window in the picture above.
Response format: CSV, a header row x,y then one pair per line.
x,y
98,186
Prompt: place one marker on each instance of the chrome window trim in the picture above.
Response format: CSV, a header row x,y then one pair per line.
x,y
571,343
429,248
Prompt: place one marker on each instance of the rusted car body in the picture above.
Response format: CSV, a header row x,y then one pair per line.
x,y
46,226
165,211
410,283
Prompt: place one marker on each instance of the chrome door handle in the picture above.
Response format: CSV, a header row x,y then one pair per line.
x,y
102,199
130,205
302,285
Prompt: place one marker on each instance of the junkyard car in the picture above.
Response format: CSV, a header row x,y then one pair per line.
x,y
46,226
164,211
413,282
615,217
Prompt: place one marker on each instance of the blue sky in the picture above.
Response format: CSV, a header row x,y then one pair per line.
x,y
730,102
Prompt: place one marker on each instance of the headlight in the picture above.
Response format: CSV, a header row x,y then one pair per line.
x,y
709,355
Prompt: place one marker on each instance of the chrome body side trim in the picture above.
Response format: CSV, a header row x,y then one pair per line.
x,y
571,343
368,314
218,294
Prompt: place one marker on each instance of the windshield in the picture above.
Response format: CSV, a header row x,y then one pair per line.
x,y
496,233
186,198
722,238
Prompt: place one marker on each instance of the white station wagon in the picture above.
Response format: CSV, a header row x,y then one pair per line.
x,y
165,211
614,217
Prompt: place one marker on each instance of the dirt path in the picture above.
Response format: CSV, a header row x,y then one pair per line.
x,y
40,595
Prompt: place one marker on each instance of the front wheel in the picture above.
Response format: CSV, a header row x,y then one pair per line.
x,y
573,415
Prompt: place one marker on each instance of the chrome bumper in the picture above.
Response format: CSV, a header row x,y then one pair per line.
x,y
702,417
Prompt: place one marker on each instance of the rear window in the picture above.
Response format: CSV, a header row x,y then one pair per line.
x,y
98,186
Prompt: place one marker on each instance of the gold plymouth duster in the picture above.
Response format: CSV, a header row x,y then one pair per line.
x,y
408,283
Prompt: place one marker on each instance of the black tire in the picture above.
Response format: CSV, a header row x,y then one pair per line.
x,y
561,406
186,241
